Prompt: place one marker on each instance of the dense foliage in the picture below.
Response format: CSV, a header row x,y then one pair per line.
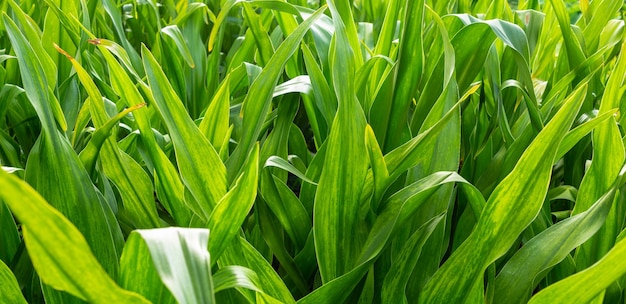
x,y
282,151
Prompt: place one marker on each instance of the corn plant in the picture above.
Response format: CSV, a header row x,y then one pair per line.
x,y
292,151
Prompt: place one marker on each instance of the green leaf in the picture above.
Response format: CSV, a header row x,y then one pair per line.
x,y
399,208
225,221
278,162
132,181
325,100
599,15
172,32
242,253
214,125
260,34
337,289
402,267
53,162
168,184
33,34
578,289
236,276
380,174
606,163
575,53
201,169
9,288
576,134
519,276
411,152
287,209
9,237
385,39
118,24
257,102
337,201
58,250
408,72
512,206
180,258
139,274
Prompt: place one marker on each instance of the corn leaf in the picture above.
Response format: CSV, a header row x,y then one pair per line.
x,y
519,276
202,171
180,258
9,288
134,184
499,226
336,211
168,184
584,286
257,102
58,250
234,207
53,162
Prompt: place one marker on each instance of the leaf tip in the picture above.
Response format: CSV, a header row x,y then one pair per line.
x,y
62,51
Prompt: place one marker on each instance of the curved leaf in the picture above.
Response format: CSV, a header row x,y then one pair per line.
x,y
180,258
58,250
9,288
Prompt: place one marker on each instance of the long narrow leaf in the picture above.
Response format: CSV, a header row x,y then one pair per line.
x,y
201,168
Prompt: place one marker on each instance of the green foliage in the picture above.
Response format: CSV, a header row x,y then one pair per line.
x,y
292,151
